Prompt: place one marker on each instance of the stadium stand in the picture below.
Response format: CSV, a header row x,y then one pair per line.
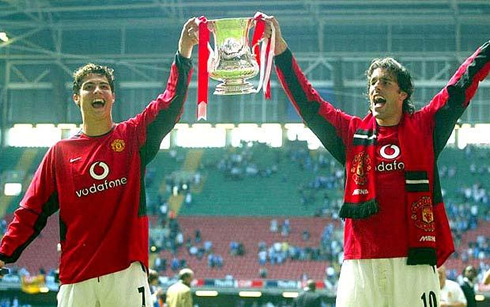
x,y
250,231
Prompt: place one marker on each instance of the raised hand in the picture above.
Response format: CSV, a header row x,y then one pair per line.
x,y
189,37
280,44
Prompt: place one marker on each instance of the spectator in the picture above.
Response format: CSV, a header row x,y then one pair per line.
x,y
274,226
155,288
241,249
211,260
188,198
218,261
179,239
160,264
262,257
197,236
233,248
306,235
309,298
179,294
451,293
193,250
285,228
468,286
331,279
208,246
263,272
175,264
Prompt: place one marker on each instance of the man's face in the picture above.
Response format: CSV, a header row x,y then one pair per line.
x,y
470,273
385,98
95,98
189,279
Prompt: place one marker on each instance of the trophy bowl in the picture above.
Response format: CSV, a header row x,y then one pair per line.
x,y
232,61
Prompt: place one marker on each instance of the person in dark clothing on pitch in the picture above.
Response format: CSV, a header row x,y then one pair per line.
x,y
309,298
469,275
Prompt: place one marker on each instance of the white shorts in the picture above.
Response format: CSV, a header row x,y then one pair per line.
x,y
126,288
387,282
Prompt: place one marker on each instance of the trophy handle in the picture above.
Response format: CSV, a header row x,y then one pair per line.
x,y
213,53
213,56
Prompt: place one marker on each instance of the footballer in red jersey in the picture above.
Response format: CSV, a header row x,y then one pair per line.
x,y
396,228
95,180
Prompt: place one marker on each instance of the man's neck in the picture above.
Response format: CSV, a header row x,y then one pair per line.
x,y
468,281
389,122
97,128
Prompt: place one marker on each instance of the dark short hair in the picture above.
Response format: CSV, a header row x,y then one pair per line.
x,y
469,268
311,284
153,275
91,68
403,78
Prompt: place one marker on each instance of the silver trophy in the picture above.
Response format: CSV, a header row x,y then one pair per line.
x,y
231,61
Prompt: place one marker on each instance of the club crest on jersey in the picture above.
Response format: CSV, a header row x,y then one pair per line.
x,y
422,214
361,166
118,145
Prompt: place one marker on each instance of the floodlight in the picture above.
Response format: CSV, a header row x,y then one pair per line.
x,y
4,37
12,189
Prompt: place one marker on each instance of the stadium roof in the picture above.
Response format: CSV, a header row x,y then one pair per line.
x,y
38,28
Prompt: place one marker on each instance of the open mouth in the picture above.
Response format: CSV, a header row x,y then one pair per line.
x,y
379,101
98,103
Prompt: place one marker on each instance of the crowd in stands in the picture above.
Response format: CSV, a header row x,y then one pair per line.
x,y
168,236
327,184
468,204
239,164
329,249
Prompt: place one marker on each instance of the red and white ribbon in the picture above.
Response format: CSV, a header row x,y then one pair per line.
x,y
266,55
203,70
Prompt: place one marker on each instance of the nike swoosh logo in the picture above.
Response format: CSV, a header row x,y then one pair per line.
x,y
74,159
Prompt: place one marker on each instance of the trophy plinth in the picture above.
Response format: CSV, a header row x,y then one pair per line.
x,y
234,87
